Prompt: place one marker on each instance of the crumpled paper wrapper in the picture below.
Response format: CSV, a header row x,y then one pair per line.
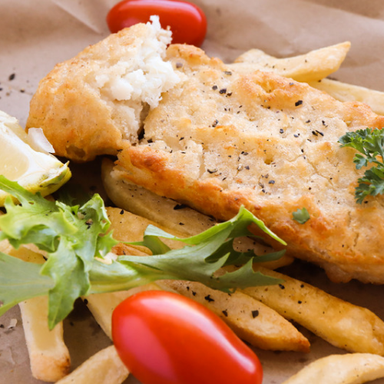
x,y
34,36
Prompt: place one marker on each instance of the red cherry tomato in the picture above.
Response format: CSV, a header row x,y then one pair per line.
x,y
187,21
166,338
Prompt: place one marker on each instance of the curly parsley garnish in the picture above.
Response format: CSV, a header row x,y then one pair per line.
x,y
370,143
76,238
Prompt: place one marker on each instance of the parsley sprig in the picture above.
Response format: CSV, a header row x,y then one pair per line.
x,y
76,238
370,143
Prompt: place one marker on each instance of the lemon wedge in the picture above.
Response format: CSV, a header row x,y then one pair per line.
x,y
36,171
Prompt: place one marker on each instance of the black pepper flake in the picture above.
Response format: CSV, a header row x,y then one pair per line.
x,y
45,258
299,302
187,288
228,73
244,153
209,298
212,170
323,122
302,286
85,301
179,206
247,167
320,133
229,94
214,87
193,293
225,313
315,133
281,130
122,212
215,123
296,135
222,91
308,121
181,138
298,102
181,223
255,313
281,286
291,84
1,325
271,182
12,76
179,65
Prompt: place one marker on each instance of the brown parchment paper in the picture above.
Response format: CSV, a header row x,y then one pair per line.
x,y
35,35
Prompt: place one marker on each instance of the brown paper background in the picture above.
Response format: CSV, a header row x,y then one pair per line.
x,y
35,35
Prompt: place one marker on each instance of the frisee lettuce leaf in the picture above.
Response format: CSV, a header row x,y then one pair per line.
x,y
76,237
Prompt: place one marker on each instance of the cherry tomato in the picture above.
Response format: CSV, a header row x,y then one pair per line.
x,y
187,21
166,338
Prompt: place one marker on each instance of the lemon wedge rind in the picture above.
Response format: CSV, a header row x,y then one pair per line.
x,y
35,171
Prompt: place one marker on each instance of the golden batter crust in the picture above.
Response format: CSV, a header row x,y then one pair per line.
x,y
219,139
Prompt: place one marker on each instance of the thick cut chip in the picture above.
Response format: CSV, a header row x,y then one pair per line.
x,y
348,92
105,367
102,305
250,319
312,66
342,324
35,171
354,368
49,356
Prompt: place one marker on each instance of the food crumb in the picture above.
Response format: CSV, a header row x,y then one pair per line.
x,y
255,313
12,323
209,298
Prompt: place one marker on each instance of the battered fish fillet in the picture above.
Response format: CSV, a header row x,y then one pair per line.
x,y
219,139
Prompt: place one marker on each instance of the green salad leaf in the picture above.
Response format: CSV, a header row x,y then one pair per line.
x,y
77,239
370,143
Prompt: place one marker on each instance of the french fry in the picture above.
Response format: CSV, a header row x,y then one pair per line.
x,y
353,368
307,67
105,367
348,92
102,305
312,66
49,356
166,213
250,319
342,324
144,203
